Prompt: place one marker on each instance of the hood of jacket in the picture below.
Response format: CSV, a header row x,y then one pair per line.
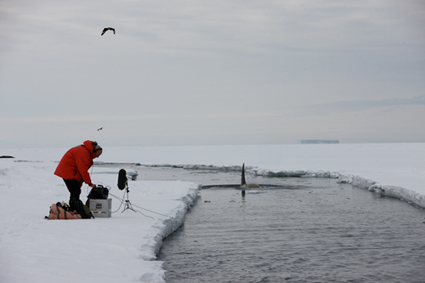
x,y
89,146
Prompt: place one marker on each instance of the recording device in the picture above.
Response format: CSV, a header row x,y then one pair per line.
x,y
122,179
122,184
100,192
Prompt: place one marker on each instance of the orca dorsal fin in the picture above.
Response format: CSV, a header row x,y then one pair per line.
x,y
243,181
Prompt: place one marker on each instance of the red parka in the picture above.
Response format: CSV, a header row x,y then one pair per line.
x,y
76,163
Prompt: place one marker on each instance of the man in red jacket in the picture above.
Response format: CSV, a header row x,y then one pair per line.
x,y
74,167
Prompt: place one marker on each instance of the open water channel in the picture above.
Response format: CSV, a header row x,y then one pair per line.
x,y
291,230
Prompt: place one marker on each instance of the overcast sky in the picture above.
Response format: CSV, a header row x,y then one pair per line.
x,y
211,72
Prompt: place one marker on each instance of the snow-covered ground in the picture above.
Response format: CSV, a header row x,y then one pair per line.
x,y
122,248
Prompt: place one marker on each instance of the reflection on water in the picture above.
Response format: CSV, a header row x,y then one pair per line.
x,y
301,230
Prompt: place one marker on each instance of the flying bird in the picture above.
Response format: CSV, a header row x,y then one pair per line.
x,y
106,29
101,128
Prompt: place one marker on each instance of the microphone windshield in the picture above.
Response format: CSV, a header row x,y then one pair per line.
x,y
122,179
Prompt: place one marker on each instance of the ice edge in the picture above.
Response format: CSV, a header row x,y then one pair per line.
x,y
173,223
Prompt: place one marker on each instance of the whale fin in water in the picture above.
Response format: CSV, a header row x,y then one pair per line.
x,y
243,181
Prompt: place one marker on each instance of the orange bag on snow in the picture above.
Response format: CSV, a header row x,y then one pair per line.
x,y
58,212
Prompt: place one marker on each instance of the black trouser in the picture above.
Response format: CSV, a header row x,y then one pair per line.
x,y
74,188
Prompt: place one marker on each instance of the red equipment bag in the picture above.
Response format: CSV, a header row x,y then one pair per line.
x,y
58,212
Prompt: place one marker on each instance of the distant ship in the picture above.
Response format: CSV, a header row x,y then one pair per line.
x,y
319,141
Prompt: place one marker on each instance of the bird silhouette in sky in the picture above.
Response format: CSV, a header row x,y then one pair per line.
x,y
106,29
101,128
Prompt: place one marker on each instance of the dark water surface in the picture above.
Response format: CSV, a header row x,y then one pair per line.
x,y
301,230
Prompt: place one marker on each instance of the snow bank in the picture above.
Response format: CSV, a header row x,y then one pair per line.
x,y
117,249
385,190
